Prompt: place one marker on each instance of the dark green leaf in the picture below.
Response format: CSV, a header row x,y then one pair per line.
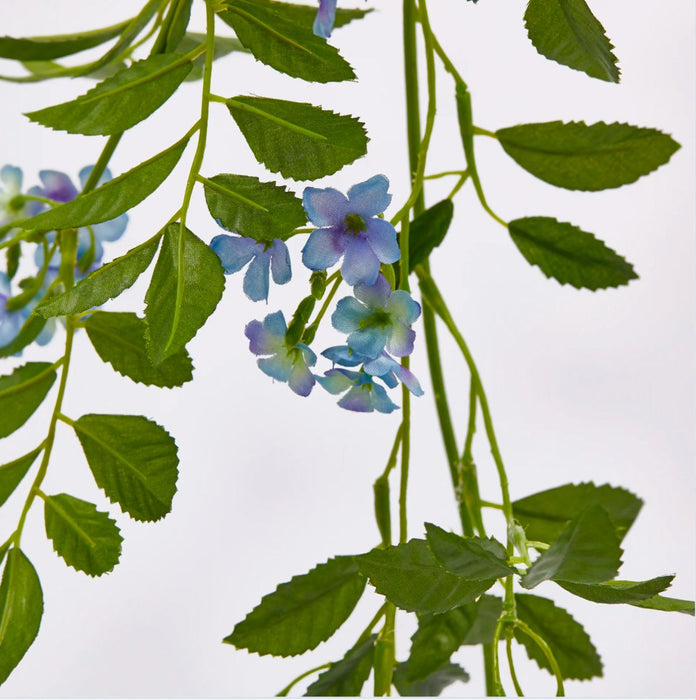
x,y
413,579
544,515
103,284
22,392
12,473
27,334
618,591
4,548
21,607
133,460
85,538
567,32
428,230
304,15
285,42
346,677
186,287
297,139
119,102
471,557
576,655
259,210
569,254
431,686
303,612
661,602
119,339
176,23
581,157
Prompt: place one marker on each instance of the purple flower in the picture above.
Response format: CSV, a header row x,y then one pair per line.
x,y
350,228
286,364
12,203
363,395
10,321
236,251
324,21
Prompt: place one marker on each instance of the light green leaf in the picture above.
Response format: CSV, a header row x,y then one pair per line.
x,y
297,139
119,339
303,612
613,592
133,460
12,473
569,254
186,287
411,577
281,39
119,102
576,655
432,685
345,678
661,602
22,392
428,230
567,32
21,607
27,334
85,538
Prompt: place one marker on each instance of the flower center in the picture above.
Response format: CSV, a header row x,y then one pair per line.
x,y
379,318
354,224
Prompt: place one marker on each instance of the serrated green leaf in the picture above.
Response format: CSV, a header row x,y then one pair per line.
x,y
224,45
544,515
471,557
259,210
586,551
432,685
105,283
661,602
576,655
133,460
613,592
282,39
22,392
21,607
428,230
186,287
303,612
297,139
591,157
439,636
12,473
85,538
569,254
119,339
411,577
345,678
567,32
27,334
119,102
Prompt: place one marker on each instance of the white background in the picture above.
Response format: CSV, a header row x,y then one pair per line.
x,y
582,386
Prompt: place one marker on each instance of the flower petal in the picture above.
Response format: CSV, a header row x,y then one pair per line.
x,y
57,185
400,342
402,307
369,198
324,21
11,177
360,264
325,207
357,399
348,315
278,366
381,365
381,400
87,171
374,296
234,251
262,339
322,249
336,381
280,262
301,379
409,380
343,355
256,278
111,230
275,324
382,237
369,341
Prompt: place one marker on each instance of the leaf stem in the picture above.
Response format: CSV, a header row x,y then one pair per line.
x,y
382,493
546,650
511,666
295,681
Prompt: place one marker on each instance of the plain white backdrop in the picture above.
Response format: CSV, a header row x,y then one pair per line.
x,y
582,386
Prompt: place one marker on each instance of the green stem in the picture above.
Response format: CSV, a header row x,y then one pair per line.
x,y
546,650
511,665
102,162
382,493
295,681
311,329
468,477
437,176
385,653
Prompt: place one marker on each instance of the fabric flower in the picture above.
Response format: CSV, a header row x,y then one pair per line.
x,y
350,228
12,205
324,21
363,395
236,251
377,318
10,321
286,364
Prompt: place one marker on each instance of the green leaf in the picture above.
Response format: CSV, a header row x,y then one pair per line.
x,y
186,287
412,578
586,551
259,210
439,636
85,538
12,473
431,686
176,22
304,15
42,48
544,515
576,655
21,607
345,678
297,139
105,283
281,39
303,612
133,460
4,548
119,339
613,592
569,254
661,602
22,392
119,102
581,157
471,557
27,334
224,45
567,32
428,230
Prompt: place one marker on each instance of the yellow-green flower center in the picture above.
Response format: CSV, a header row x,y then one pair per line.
x,y
354,224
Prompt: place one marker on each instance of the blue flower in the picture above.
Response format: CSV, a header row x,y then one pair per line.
x,y
236,251
286,364
12,204
10,321
324,21
350,228
363,395
377,318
